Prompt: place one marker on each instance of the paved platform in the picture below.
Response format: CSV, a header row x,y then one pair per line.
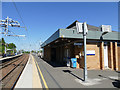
x,y
29,77
41,74
57,76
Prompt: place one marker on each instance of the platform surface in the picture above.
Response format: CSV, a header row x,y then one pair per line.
x,y
41,74
9,57
29,77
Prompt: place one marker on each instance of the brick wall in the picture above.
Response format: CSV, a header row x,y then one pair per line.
x,y
102,55
93,61
115,56
119,58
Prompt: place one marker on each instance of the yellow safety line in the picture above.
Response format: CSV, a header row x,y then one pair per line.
x,y
41,74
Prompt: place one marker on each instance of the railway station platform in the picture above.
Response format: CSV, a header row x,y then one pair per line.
x,y
10,57
41,74
29,77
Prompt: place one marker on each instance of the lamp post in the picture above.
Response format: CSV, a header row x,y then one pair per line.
x,y
85,60
82,28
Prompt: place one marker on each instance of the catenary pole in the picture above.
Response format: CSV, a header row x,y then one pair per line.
x,y
7,24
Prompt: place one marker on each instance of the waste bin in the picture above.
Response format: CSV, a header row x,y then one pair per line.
x,y
74,62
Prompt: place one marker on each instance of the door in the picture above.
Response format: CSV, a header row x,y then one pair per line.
x,y
67,53
67,56
106,56
53,54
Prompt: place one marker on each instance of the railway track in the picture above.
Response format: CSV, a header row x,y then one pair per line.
x,y
6,63
11,71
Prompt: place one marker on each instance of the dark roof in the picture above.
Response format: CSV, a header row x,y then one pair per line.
x,y
90,27
73,25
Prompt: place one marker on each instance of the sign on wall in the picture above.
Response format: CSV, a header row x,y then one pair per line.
x,y
78,44
90,52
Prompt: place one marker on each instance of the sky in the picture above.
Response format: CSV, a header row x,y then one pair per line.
x,y
42,19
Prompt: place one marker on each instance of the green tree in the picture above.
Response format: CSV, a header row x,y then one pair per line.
x,y
2,46
11,46
8,46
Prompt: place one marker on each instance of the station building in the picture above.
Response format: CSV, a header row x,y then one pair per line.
x,y
103,50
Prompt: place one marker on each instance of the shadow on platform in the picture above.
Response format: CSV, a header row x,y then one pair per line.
x,y
116,82
70,72
55,64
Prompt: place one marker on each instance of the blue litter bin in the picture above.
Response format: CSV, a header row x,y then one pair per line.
x,y
74,62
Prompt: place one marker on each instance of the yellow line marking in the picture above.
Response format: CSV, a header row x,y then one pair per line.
x,y
41,74
36,78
